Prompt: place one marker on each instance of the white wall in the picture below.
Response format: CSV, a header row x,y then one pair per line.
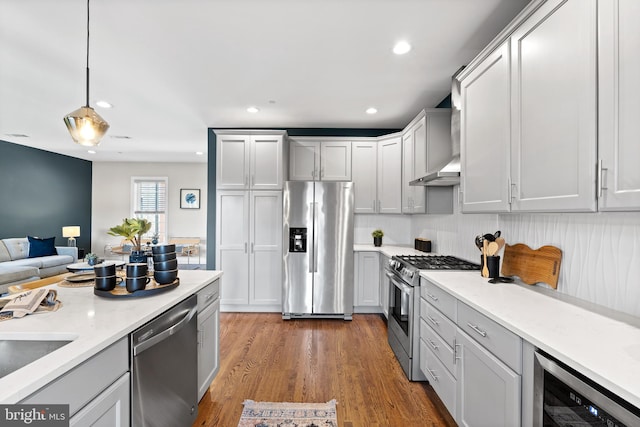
x,y
111,198
600,251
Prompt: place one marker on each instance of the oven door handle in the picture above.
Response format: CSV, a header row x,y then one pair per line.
x,y
403,286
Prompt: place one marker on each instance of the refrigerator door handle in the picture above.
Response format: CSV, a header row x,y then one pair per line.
x,y
315,238
312,247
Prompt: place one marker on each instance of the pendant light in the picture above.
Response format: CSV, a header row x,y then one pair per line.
x,y
85,125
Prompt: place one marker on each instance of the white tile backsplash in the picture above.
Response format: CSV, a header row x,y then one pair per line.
x,y
600,251
396,228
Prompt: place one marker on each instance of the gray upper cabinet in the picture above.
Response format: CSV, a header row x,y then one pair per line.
x,y
529,115
619,101
554,108
249,161
485,135
365,174
389,174
426,145
311,159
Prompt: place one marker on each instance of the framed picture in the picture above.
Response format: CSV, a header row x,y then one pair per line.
x,y
189,198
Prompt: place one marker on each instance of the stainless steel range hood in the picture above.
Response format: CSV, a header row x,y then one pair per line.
x,y
448,174
445,176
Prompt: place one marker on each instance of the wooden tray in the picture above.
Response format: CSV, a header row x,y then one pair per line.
x,y
152,288
532,266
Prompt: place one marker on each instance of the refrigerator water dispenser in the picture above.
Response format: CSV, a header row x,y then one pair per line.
x,y
298,240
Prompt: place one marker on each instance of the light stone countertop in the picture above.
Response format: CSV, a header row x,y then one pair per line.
x,y
602,346
390,250
92,322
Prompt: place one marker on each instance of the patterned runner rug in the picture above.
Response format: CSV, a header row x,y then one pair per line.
x,y
273,414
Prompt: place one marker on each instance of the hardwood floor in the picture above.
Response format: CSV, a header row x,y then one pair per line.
x,y
265,358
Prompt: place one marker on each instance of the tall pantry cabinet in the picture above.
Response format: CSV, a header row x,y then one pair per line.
x,y
249,218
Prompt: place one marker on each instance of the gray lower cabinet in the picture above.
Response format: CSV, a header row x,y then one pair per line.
x,y
208,336
488,392
109,409
384,285
367,282
472,363
102,401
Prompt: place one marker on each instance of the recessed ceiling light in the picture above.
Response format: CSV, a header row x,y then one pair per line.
x,y
104,104
372,110
253,109
91,151
119,136
199,153
17,135
401,47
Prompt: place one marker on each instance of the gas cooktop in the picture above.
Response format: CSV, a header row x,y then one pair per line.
x,y
436,262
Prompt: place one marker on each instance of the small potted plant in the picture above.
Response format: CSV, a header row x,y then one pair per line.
x,y
377,237
91,258
132,229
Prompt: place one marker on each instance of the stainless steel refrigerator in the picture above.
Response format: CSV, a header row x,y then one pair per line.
x,y
318,249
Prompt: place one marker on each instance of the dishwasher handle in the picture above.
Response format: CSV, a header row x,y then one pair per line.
x,y
150,342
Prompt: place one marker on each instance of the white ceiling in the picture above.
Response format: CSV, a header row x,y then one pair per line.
x,y
173,68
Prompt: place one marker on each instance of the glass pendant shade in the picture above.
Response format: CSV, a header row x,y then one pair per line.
x,y
86,126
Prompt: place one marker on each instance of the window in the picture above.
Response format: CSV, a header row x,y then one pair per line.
x,y
150,202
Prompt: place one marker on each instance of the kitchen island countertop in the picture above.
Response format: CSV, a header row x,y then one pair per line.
x,y
92,323
601,344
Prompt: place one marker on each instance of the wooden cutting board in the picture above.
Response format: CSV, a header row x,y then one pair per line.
x,y
532,265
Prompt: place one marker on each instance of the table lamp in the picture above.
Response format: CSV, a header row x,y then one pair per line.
x,y
71,231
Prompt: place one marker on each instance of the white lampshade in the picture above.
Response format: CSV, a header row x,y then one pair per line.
x,y
71,231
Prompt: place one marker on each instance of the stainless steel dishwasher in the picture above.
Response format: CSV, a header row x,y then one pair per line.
x,y
165,369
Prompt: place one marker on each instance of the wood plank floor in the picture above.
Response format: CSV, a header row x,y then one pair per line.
x,y
265,358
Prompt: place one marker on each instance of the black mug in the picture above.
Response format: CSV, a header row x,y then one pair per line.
x,y
136,283
137,269
104,270
107,283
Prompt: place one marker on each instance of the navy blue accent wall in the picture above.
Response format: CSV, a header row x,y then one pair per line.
x,y
445,103
40,192
211,200
211,171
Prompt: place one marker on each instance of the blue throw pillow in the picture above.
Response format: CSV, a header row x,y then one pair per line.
x,y
41,247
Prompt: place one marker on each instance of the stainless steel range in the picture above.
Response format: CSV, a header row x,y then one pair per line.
x,y
403,276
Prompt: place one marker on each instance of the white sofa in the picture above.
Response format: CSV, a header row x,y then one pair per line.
x,y
17,267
